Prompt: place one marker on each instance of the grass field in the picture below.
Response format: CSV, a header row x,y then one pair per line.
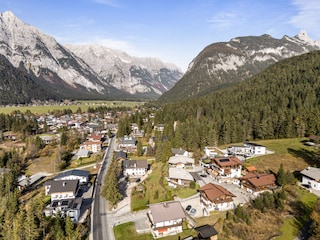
x,y
292,153
84,105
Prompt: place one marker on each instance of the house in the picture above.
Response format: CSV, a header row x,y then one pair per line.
x,y
94,137
247,150
311,177
74,174
83,153
227,167
121,155
212,152
25,181
166,218
207,232
159,127
127,143
180,152
66,207
256,183
92,146
134,167
62,189
179,177
180,161
215,197
47,139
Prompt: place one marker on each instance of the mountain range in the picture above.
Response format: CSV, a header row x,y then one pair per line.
x,y
225,63
76,72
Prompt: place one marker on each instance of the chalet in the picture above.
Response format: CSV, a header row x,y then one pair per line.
x,y
74,174
121,155
180,161
215,197
227,167
94,137
133,168
179,177
311,177
47,139
166,218
207,232
256,183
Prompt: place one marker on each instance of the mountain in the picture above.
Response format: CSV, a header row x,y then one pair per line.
x,y
224,63
54,67
282,101
129,74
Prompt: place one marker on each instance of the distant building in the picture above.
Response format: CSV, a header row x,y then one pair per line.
x,y
256,183
134,167
228,167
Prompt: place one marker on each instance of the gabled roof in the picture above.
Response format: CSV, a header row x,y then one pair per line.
x,y
179,173
63,186
206,231
178,151
73,172
166,211
214,191
259,180
180,159
135,164
227,161
311,172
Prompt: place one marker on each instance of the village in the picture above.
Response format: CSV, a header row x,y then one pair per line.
x,y
225,180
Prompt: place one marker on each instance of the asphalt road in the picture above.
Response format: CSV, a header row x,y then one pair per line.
x,y
100,223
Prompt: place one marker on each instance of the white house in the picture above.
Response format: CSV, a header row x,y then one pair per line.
x,y
311,177
62,189
247,149
179,176
134,167
74,174
180,161
166,218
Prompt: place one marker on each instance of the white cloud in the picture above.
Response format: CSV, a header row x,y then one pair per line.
x,y
223,20
308,16
111,3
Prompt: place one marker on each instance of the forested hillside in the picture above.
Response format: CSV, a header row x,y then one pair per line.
x,y
280,102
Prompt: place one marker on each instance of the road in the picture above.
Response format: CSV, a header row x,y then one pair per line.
x,y
100,222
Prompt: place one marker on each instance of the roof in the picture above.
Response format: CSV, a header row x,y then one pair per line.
x,y
251,168
180,159
206,231
179,173
311,172
63,186
259,180
166,211
214,191
83,152
135,163
73,172
227,161
178,151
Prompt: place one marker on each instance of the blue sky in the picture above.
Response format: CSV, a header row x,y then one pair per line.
x,y
173,30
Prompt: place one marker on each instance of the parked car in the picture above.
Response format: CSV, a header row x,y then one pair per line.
x,y
138,180
188,208
192,212
203,175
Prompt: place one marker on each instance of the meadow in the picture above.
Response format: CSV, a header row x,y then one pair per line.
x,y
74,106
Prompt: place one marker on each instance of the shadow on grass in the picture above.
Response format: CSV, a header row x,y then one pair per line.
x,y
310,157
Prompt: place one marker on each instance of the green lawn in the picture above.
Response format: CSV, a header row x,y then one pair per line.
x,y
291,225
128,231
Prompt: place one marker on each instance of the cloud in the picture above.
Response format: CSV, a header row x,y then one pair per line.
x,y
307,17
111,3
223,20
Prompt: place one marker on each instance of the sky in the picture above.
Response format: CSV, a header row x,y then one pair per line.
x,y
175,31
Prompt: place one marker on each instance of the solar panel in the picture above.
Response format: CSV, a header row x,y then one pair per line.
x,y
224,160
